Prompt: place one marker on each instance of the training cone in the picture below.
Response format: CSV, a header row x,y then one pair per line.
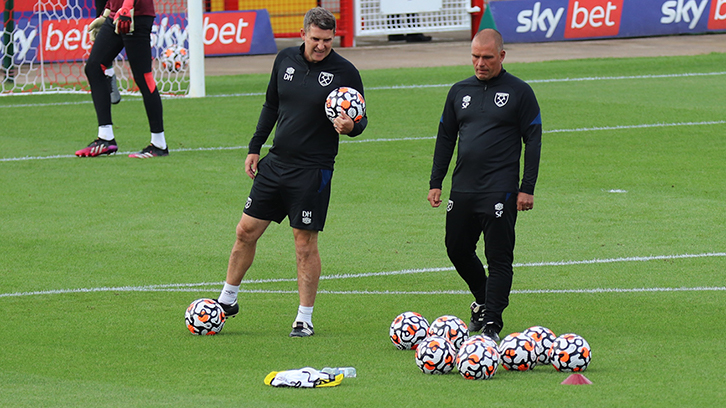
x,y
576,379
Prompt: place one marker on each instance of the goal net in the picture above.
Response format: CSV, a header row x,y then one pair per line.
x,y
45,44
385,17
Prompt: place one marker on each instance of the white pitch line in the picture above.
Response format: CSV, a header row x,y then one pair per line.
x,y
514,292
380,292
399,139
135,96
641,126
555,80
202,287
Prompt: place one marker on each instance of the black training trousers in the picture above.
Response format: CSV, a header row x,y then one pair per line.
x,y
107,46
494,215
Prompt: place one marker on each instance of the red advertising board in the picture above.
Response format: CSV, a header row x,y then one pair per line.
x,y
27,5
65,40
558,20
717,15
228,33
593,18
224,33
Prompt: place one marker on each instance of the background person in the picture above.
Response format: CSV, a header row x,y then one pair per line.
x,y
293,179
102,11
490,114
128,26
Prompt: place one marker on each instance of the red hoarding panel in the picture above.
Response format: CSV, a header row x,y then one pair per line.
x,y
65,40
228,33
20,6
717,16
593,18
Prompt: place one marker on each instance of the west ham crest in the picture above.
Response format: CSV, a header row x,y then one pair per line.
x,y
325,78
501,99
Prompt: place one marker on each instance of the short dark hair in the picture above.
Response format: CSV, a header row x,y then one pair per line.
x,y
319,17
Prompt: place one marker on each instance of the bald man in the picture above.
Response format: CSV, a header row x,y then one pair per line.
x,y
491,114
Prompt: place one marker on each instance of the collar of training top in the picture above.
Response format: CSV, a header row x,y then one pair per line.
x,y
495,79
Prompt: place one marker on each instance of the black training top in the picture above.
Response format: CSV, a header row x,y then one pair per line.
x,y
295,101
491,119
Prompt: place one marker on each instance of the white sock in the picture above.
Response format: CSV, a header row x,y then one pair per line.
x,y
105,132
305,314
229,294
109,72
158,140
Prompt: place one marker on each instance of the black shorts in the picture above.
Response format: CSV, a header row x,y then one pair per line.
x,y
300,194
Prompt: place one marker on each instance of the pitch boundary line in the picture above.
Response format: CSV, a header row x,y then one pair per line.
x,y
372,292
203,149
397,87
205,286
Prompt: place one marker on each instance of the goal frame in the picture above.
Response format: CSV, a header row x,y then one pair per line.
x,y
44,45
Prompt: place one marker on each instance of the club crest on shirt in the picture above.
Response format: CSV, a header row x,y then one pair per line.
x,y
465,101
325,78
501,99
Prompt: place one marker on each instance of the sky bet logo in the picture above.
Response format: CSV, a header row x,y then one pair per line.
x,y
675,11
593,18
603,18
585,18
690,11
718,15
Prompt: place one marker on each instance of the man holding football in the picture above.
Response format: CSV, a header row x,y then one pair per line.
x,y
124,24
293,179
491,114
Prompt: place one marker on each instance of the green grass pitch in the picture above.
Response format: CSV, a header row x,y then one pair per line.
x,y
626,246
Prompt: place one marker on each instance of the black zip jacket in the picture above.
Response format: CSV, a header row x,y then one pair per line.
x,y
491,120
295,101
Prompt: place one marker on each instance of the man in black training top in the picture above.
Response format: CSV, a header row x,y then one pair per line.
x,y
293,179
491,114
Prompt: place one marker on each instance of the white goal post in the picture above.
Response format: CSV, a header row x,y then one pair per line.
x,y
44,46
195,35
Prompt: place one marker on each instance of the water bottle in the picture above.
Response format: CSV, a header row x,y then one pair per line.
x,y
348,372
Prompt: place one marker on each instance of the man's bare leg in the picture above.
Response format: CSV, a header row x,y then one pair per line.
x,y
308,276
249,230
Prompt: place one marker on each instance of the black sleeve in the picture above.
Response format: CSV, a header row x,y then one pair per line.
x,y
531,121
360,126
445,142
268,115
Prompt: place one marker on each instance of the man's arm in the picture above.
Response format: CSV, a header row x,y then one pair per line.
x,y
269,112
444,150
356,128
445,143
531,128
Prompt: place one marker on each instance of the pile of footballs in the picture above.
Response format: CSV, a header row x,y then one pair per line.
x,y
445,344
